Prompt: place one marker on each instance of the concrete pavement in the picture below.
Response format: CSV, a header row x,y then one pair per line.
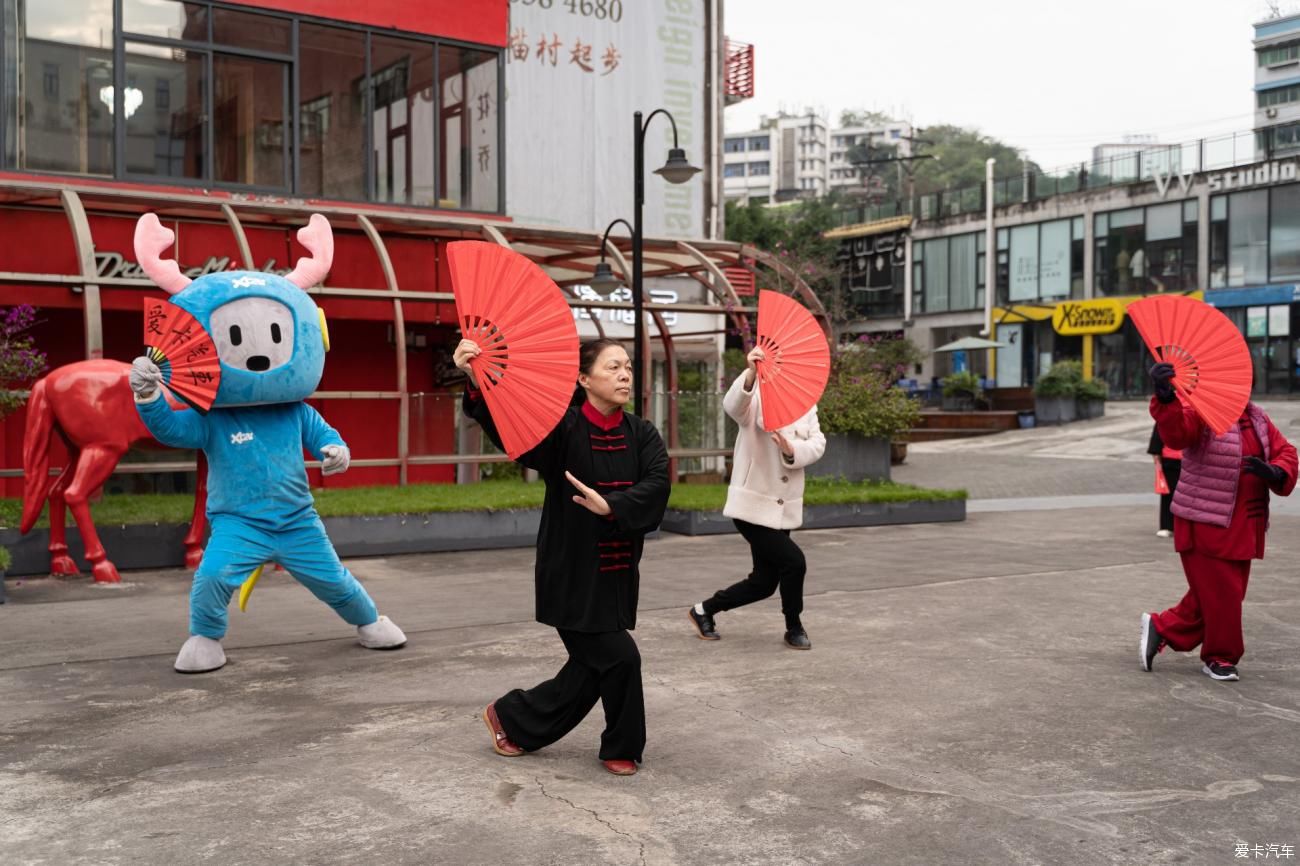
x,y
973,696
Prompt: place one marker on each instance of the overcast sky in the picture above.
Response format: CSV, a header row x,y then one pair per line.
x,y
1050,78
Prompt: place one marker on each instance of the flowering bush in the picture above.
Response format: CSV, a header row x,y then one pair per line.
x,y
20,362
890,356
865,403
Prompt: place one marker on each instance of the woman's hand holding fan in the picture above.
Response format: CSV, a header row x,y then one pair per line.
x,y
794,362
1212,370
520,340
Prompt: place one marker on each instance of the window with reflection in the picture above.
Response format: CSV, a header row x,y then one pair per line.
x,y
248,113
163,111
331,114
65,69
165,19
236,97
401,120
467,129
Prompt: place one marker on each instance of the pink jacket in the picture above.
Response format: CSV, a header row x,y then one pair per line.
x,y
1207,488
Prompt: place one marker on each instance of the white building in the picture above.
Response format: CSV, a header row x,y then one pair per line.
x,y
1136,157
749,163
785,158
1277,83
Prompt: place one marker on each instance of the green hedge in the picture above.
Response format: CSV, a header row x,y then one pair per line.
x,y
487,496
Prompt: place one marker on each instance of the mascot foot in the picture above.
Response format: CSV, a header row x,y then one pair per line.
x,y
199,655
383,633
105,572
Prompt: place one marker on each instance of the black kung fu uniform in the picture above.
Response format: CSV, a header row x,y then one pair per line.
x,y
587,576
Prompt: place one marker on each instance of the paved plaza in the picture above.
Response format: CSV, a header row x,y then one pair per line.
x,y
973,697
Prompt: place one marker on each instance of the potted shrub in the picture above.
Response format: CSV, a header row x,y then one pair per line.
x,y
862,415
5,561
1090,398
1054,393
961,391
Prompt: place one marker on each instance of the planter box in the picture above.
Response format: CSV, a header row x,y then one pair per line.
x,y
162,546
827,516
852,458
1054,410
962,403
1091,408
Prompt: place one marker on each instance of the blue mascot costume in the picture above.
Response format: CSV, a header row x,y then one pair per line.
x,y
271,341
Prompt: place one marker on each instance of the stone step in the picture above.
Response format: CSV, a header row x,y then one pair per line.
x,y
932,434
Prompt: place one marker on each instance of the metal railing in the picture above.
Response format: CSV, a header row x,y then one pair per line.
x,y
1143,164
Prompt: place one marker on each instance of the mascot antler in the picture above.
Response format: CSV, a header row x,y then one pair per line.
x,y
317,237
152,239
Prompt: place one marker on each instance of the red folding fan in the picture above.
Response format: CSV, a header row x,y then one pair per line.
x,y
1212,367
529,342
183,351
793,376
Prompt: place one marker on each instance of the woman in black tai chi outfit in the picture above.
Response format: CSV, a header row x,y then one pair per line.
x,y
606,475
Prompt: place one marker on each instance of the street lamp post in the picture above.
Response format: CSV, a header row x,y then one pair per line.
x,y
675,170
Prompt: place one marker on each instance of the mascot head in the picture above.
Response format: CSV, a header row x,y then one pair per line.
x,y
271,338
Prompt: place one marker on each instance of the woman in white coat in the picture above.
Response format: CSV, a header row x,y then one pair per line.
x,y
765,500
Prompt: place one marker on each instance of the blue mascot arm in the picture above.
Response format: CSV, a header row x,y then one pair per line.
x,y
316,432
184,428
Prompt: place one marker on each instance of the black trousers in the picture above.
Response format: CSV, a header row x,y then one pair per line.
x,y
778,562
604,666
1172,469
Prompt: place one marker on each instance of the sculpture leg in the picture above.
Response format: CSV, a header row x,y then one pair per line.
x,y
94,465
61,564
199,522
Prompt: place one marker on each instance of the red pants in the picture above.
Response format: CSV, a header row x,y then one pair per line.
x,y
1210,613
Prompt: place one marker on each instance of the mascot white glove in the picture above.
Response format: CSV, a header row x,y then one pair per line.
x,y
145,377
337,459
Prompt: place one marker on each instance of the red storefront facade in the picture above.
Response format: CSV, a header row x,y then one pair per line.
x,y
133,105
383,116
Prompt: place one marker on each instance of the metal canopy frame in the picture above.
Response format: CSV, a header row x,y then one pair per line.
x,y
569,257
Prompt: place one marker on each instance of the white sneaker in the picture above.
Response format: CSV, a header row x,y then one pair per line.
x,y
1164,533
383,633
199,655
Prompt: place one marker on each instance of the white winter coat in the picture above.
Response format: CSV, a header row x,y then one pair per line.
x,y
767,487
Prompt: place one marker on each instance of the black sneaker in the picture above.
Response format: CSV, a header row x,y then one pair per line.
x,y
703,623
797,638
1150,643
1217,670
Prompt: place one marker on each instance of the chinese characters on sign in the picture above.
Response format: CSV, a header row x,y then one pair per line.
x,y
624,294
1246,851
547,50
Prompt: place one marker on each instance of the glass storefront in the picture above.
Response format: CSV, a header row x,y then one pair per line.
x,y
1041,261
191,93
948,274
1255,237
1123,362
1144,250
1275,354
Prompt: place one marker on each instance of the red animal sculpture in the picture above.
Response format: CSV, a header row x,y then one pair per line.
x,y
90,405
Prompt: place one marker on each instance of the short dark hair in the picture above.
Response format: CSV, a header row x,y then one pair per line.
x,y
590,351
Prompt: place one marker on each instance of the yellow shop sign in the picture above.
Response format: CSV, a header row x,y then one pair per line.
x,y
1101,316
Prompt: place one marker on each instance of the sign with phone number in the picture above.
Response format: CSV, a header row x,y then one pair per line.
x,y
601,10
